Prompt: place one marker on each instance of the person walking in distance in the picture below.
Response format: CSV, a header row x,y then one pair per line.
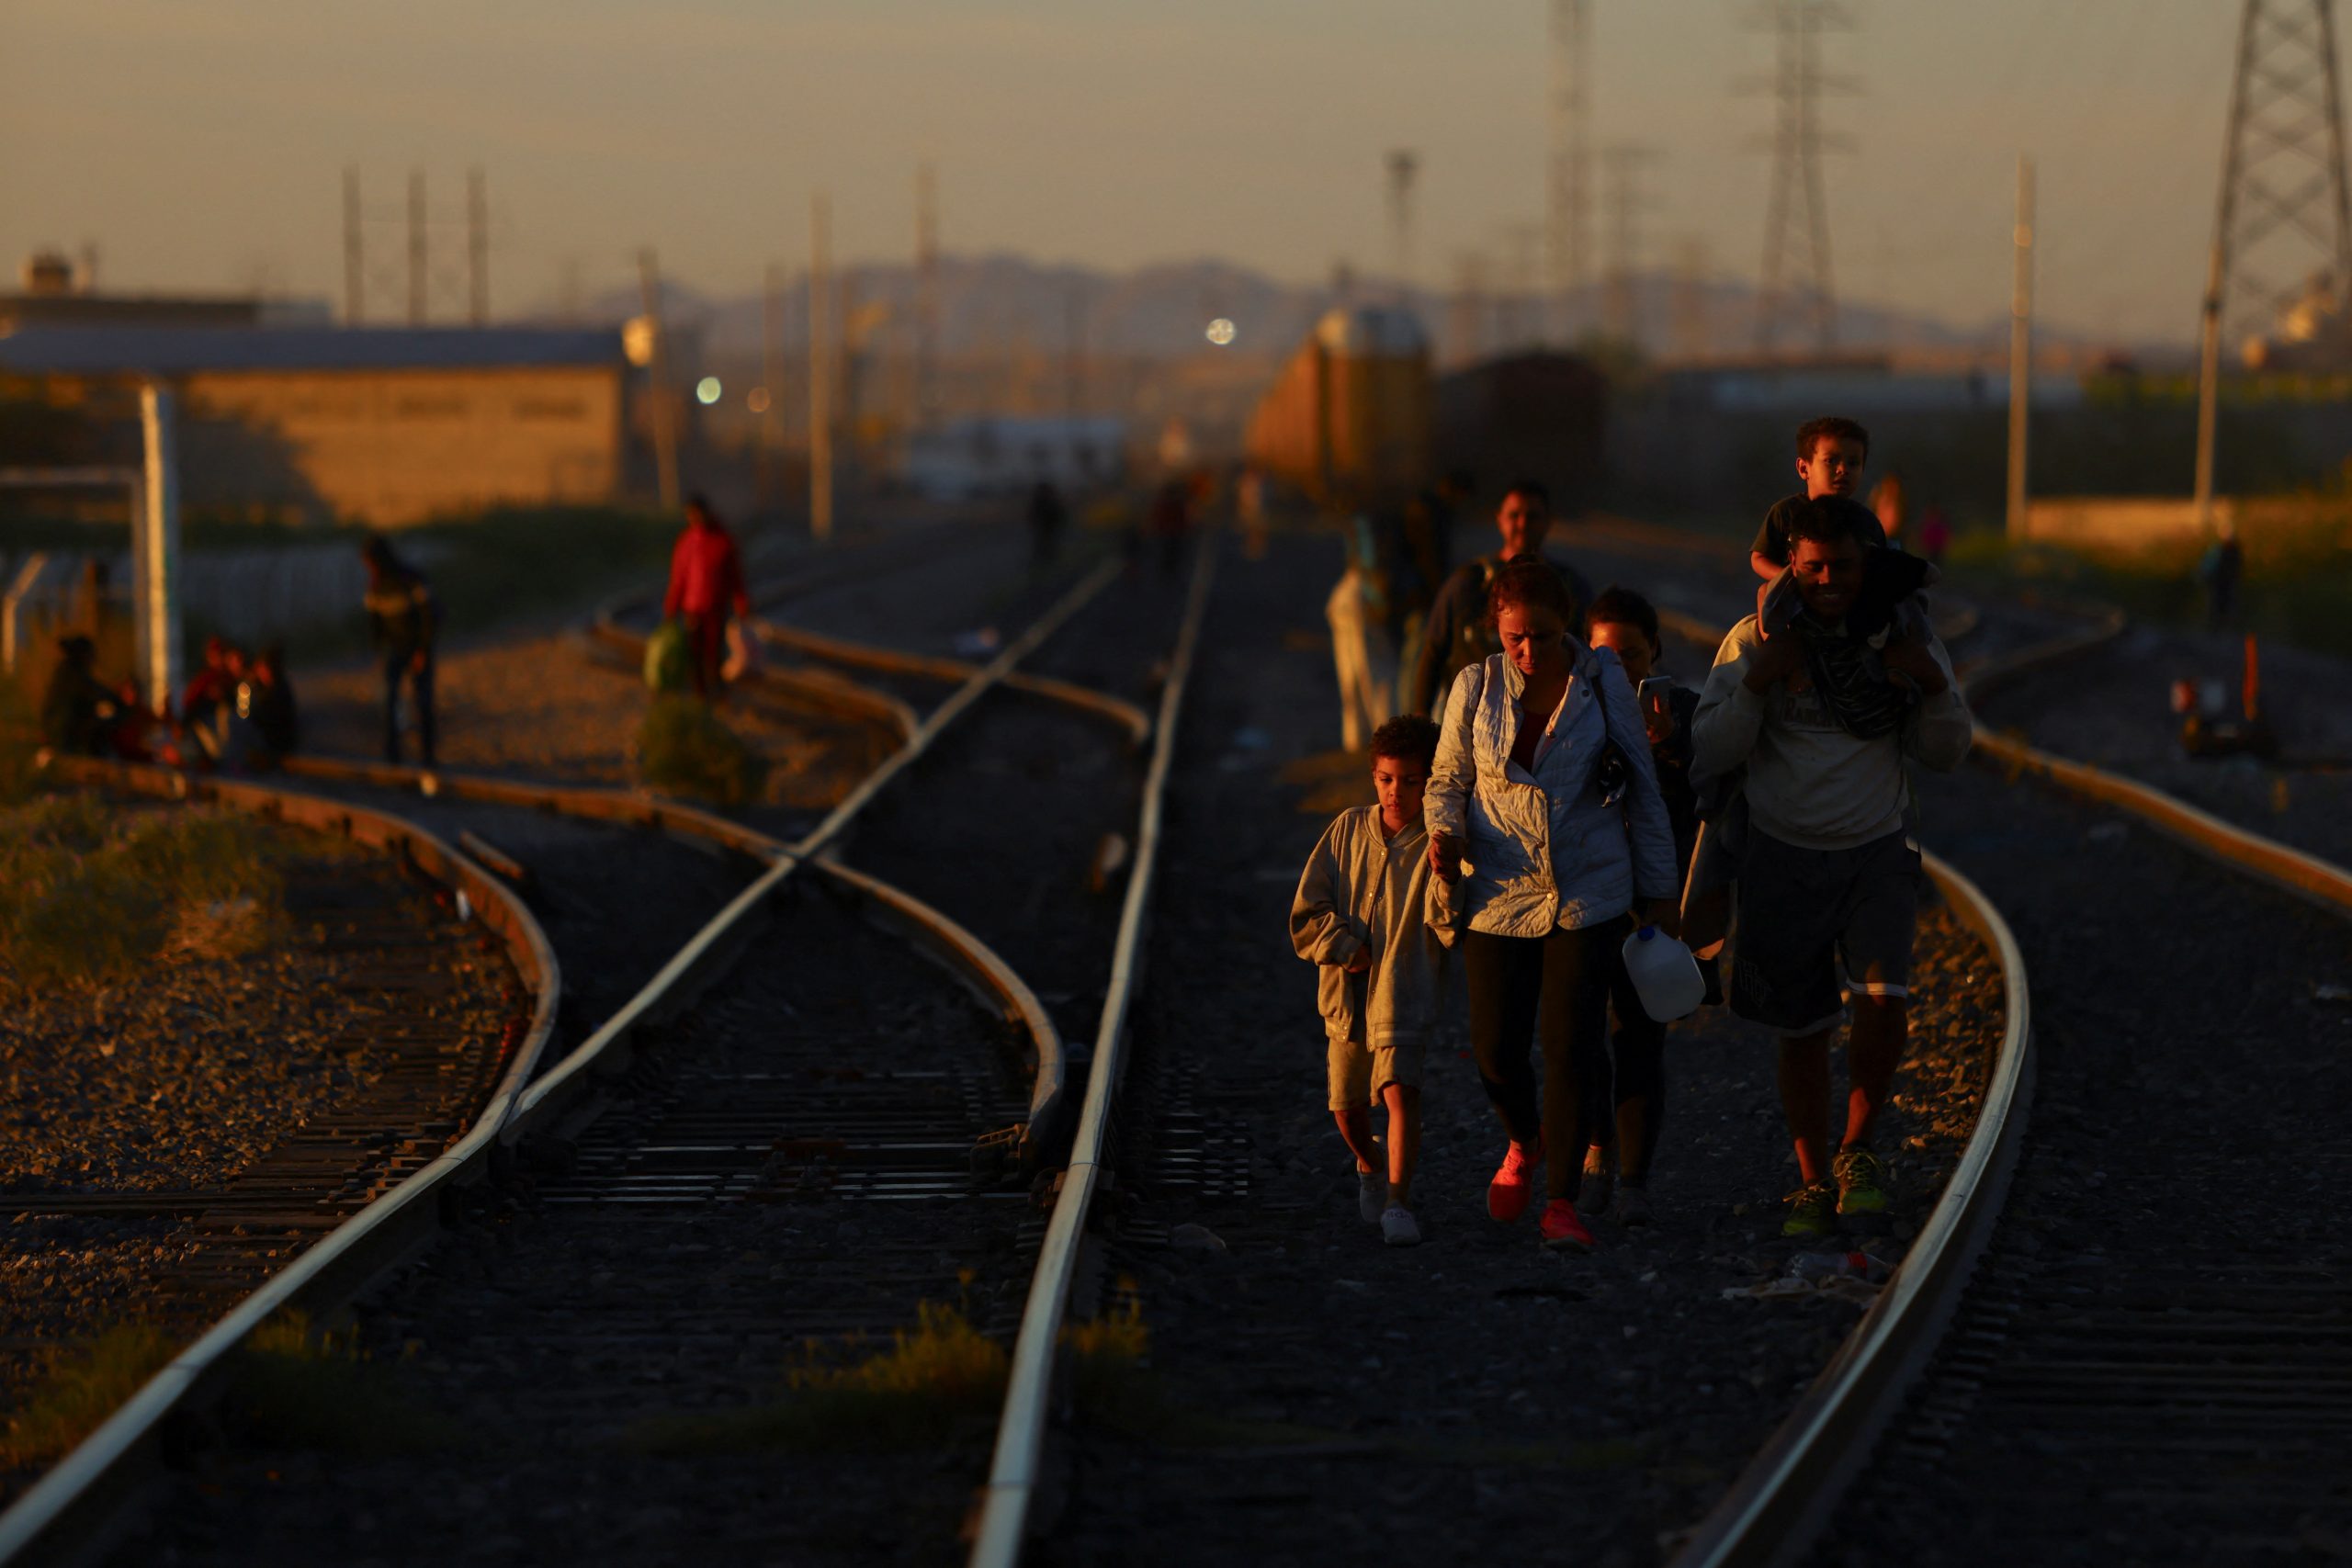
x,y
1621,1127
705,583
1457,633
403,619
1364,915
1544,785
1825,726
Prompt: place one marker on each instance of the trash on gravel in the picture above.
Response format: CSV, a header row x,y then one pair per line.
x,y
974,643
2109,833
1849,1276
1192,1237
2328,992
1250,738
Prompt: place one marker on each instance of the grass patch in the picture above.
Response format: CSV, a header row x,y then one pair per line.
x,y
71,1403
685,748
2297,596
939,1380
297,1386
88,894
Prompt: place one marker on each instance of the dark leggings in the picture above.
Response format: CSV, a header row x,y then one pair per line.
x,y
1639,1078
1555,988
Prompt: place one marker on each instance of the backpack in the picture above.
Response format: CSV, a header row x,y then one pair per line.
x,y
666,659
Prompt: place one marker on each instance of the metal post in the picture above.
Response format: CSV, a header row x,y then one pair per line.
x,y
665,426
821,370
416,252
155,553
354,275
478,247
772,381
2020,347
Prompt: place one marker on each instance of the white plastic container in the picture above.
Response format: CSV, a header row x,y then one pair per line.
x,y
1665,975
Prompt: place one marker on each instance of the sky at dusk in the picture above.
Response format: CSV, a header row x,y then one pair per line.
x,y
200,143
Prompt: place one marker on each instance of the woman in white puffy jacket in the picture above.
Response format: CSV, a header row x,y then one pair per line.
x,y
1544,814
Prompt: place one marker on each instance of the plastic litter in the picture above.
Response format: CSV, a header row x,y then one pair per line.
x,y
1191,1237
1849,1276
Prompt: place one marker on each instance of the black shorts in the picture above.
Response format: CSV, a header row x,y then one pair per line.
x,y
1814,924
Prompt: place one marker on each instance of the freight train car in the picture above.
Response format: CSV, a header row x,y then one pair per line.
x,y
1352,411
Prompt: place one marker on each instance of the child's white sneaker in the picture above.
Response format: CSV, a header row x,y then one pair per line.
x,y
1372,1195
1396,1226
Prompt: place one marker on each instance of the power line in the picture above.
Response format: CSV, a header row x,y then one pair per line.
x,y
1568,203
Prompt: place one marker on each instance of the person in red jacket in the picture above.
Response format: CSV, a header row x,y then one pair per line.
x,y
705,585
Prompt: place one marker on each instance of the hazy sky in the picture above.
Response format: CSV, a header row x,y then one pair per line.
x,y
201,142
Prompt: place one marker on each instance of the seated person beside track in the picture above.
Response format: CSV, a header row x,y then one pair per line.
x,y
267,697
1364,913
1623,1116
213,687
1457,632
1826,727
77,710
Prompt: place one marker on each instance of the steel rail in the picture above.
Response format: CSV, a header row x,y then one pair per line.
x,y
55,1507
1019,1454
1785,1494
68,1499
1132,716
608,1048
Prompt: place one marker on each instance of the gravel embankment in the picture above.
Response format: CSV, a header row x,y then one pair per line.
x,y
177,1083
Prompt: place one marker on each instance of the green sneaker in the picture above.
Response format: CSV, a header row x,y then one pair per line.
x,y
1861,1181
1812,1211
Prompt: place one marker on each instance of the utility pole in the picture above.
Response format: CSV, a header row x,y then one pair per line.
x,y
1073,348
1692,338
2282,232
1622,166
665,415
355,271
820,369
1569,195
1471,307
1796,290
476,248
1402,165
416,252
771,375
2020,348
926,295
155,557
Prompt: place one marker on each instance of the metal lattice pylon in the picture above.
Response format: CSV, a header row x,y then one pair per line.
x,y
2284,230
1797,299
1568,204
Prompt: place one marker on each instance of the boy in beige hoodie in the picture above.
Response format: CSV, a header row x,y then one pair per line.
x,y
1370,915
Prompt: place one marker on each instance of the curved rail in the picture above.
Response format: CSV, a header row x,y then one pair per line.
x,y
1788,1489
821,688
1021,1429
70,1495
1132,716
73,1493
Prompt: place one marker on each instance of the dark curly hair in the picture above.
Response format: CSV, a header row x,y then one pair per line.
x,y
1814,432
1626,608
1408,737
1531,584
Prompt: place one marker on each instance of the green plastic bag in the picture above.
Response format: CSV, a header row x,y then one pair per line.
x,y
666,667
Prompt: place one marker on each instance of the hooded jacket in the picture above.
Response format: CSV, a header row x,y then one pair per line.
x,y
1549,850
1363,892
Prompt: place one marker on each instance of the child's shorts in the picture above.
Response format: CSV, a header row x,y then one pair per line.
x,y
1359,1072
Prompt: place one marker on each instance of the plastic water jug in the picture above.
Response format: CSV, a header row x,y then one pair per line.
x,y
1665,975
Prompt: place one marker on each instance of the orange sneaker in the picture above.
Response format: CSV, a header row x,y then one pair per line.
x,y
1508,1193
1562,1232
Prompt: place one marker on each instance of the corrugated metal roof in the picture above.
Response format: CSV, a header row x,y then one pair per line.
x,y
172,351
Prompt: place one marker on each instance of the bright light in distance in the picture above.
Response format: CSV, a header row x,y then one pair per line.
x,y
707,389
758,400
1221,332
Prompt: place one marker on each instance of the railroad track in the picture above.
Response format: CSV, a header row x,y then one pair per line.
x,y
2185,1388
588,1124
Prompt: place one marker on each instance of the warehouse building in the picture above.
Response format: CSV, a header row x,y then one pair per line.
x,y
386,426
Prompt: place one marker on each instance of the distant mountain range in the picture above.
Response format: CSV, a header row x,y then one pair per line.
x,y
1009,304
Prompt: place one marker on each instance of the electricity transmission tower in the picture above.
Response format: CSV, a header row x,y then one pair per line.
x,y
2284,225
1797,297
1569,195
2282,239
1402,165
1623,165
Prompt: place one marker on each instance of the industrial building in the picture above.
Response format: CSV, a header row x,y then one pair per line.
x,y
387,427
